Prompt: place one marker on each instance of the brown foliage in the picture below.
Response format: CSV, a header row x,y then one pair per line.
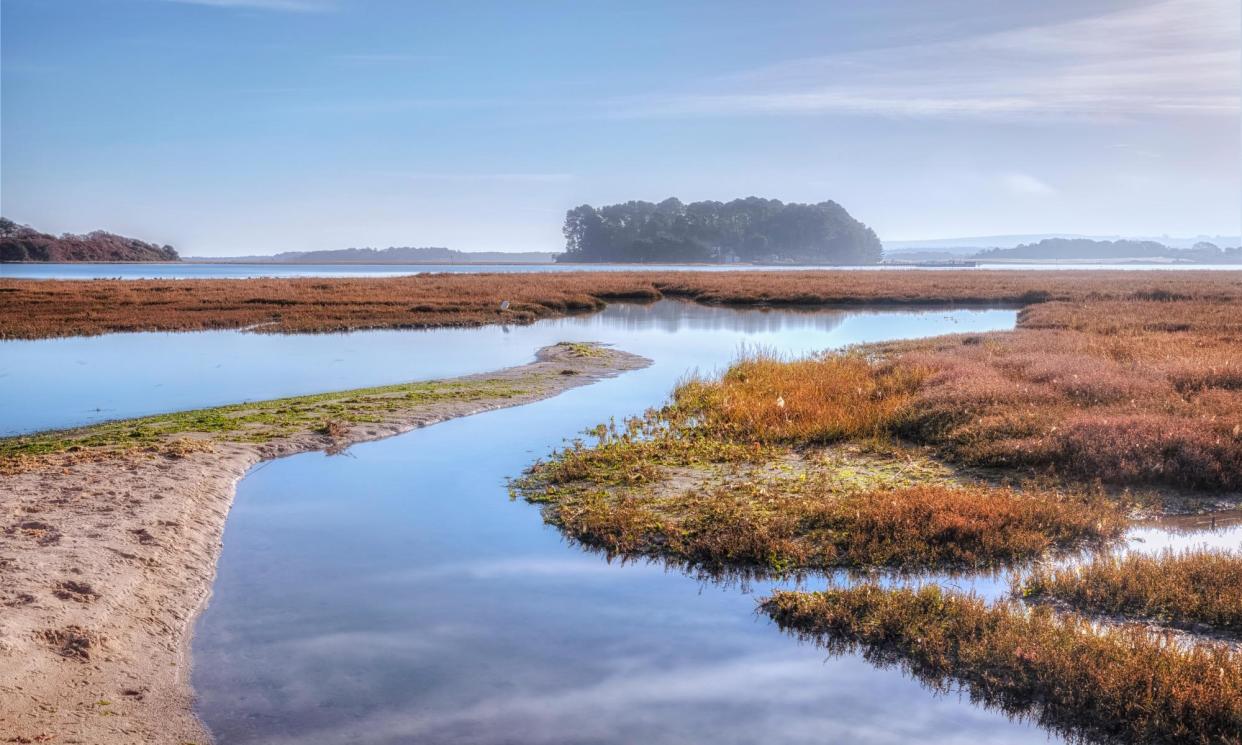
x,y
809,401
36,309
1136,392
1117,683
1197,586
795,525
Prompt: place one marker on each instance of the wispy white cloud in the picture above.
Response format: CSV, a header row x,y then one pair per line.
x,y
1024,184
1173,57
741,695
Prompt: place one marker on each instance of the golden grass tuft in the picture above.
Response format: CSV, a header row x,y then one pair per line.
x,y
806,401
663,489
787,526
1181,589
1120,683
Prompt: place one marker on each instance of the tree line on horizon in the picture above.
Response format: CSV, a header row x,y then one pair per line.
x,y
24,243
755,230
1088,248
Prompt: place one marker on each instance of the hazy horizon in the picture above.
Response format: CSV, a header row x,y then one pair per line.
x,y
234,127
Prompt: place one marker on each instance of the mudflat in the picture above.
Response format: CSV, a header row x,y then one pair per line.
x,y
109,538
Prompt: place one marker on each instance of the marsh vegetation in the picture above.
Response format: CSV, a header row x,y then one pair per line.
x,y
1192,588
976,450
1109,683
49,308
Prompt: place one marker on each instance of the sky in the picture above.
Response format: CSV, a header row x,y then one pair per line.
x,y
228,127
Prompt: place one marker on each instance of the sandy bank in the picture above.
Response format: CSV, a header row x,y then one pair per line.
x,y
107,554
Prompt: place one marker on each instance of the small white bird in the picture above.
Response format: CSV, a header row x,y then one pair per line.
x,y
504,305
780,402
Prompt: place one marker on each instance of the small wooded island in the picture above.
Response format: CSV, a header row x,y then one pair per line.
x,y
754,230
24,243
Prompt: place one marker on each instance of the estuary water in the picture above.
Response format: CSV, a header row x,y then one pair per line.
x,y
57,383
395,594
191,270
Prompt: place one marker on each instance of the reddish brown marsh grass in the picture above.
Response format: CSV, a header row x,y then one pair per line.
x,y
1183,589
1116,683
809,401
37,308
1091,392
790,525
669,485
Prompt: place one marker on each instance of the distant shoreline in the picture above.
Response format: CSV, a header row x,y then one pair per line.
x,y
894,263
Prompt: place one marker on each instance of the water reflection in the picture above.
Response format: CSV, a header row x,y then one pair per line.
x,y
399,596
52,383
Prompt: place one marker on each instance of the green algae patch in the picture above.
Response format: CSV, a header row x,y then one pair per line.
x,y
258,422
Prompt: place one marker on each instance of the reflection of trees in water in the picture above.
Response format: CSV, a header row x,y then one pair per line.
x,y
677,315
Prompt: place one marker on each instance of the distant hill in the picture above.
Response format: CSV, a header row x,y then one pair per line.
x,y
1084,249
755,230
970,245
394,255
24,243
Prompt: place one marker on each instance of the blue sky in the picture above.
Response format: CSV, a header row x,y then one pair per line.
x,y
254,126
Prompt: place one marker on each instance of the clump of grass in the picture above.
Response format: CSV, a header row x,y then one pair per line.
x,y
580,349
821,399
780,528
732,474
1182,589
776,511
1117,682
334,428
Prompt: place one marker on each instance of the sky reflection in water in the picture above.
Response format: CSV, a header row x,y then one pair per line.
x,y
52,383
396,595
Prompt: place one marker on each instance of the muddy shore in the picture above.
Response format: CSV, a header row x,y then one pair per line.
x,y
106,558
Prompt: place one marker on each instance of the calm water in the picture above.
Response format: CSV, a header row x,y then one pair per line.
x,y
234,271
51,383
396,595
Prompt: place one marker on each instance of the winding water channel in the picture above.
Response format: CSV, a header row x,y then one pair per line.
x,y
395,594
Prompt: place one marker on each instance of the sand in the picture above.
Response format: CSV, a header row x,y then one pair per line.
x,y
105,563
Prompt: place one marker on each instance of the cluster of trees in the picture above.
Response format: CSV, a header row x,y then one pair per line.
x,y
1086,248
24,243
750,230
